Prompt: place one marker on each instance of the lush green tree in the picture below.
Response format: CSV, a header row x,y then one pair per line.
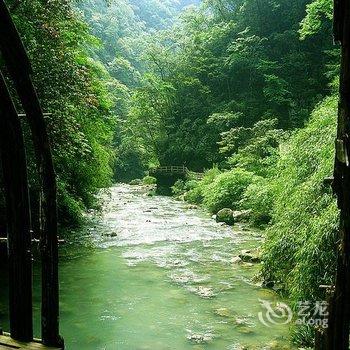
x,y
231,57
77,90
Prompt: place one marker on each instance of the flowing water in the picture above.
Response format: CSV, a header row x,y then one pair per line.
x,y
151,273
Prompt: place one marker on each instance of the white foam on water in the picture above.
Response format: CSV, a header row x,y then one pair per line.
x,y
138,219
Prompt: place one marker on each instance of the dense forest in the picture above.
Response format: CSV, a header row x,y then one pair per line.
x,y
244,91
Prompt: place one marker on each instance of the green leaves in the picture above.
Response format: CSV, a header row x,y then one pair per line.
x,y
77,90
316,12
300,247
255,148
227,189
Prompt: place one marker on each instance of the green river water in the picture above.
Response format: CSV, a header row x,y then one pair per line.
x,y
149,273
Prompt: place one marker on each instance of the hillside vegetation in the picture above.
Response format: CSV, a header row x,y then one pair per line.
x,y
244,91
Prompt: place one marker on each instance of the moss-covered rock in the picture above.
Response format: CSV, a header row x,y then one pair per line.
x,y
225,215
242,215
250,256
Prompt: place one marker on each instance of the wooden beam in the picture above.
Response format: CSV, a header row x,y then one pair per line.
x,y
7,343
18,217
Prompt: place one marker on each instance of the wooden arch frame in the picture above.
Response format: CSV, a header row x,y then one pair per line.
x,y
17,199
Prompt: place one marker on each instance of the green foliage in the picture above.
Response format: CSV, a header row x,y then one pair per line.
x,y
182,187
316,13
69,208
227,189
303,335
191,184
78,91
300,246
225,80
178,188
149,180
258,197
218,190
131,162
196,194
253,148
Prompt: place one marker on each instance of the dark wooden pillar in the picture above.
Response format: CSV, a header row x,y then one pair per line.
x,y
337,336
19,68
49,239
18,218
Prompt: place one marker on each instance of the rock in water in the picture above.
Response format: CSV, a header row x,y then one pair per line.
x,y
223,312
245,330
236,260
203,292
200,338
225,215
251,256
239,347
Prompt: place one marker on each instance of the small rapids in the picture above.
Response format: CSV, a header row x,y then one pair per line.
x,y
152,273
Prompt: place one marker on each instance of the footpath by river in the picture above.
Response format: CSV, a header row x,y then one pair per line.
x,y
148,273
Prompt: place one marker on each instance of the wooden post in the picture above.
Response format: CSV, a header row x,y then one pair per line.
x,y
337,336
18,65
18,218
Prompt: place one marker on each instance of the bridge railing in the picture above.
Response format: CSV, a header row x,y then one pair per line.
x,y
177,169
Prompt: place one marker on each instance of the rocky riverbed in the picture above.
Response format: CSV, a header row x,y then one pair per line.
x,y
154,273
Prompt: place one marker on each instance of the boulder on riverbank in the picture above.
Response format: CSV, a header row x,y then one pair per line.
x,y
242,215
225,215
250,256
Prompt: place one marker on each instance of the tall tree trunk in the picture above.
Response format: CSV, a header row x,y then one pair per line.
x,y
18,218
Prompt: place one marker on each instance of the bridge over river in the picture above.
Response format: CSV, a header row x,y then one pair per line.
x,y
167,175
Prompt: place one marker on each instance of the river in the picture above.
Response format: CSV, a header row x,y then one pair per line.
x,y
152,273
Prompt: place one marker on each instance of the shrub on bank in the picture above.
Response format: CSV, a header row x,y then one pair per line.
x,y
149,180
182,187
227,189
196,192
299,252
218,190
70,209
258,198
